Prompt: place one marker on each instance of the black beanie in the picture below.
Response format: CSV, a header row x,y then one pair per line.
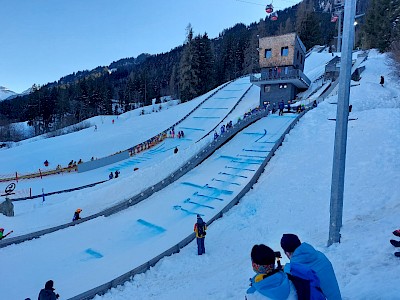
x,y
290,242
262,255
49,285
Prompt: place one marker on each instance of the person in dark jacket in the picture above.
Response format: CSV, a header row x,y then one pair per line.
x,y
76,215
200,228
281,106
48,292
303,253
382,82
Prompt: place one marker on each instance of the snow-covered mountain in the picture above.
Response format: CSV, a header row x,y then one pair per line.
x,y
5,93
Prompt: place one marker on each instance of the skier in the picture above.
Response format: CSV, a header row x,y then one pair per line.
x,y
95,127
269,282
396,243
111,176
76,215
48,292
200,228
315,103
382,82
46,163
176,150
117,173
281,106
2,235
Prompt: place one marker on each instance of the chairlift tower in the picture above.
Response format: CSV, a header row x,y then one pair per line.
x,y
339,9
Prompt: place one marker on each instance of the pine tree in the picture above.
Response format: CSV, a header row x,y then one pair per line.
x,y
188,68
308,26
377,28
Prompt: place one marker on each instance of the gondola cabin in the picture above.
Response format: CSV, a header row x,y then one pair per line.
x,y
274,16
269,9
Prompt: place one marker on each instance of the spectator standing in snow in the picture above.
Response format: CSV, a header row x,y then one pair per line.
x,y
117,173
200,228
382,82
176,150
269,282
76,215
215,135
48,292
281,106
111,176
303,253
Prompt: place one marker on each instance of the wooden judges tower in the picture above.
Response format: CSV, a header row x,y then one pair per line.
x,y
281,61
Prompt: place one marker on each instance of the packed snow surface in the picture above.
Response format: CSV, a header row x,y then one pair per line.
x,y
292,195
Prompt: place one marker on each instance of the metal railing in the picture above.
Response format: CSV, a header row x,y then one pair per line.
x,y
282,76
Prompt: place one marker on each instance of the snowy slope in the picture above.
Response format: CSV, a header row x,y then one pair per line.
x,y
291,196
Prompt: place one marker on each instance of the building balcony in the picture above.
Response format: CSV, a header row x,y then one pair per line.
x,y
293,76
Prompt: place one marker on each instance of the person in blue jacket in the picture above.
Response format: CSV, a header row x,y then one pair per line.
x,y
269,282
281,106
303,253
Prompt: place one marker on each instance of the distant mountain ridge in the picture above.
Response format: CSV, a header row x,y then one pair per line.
x,y
5,93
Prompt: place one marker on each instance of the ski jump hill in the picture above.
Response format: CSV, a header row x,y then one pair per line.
x,y
132,236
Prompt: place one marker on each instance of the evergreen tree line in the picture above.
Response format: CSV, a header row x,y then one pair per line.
x,y
187,71
381,29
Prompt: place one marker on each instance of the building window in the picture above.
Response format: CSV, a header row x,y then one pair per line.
x,y
284,51
297,54
267,88
268,53
283,86
301,59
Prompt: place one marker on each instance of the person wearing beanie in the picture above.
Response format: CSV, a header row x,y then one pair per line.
x,y
200,228
48,292
304,254
269,282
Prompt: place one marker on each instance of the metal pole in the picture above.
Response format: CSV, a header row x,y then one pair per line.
x,y
339,154
339,35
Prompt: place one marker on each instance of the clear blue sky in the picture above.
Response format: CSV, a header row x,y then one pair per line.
x,y
43,40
